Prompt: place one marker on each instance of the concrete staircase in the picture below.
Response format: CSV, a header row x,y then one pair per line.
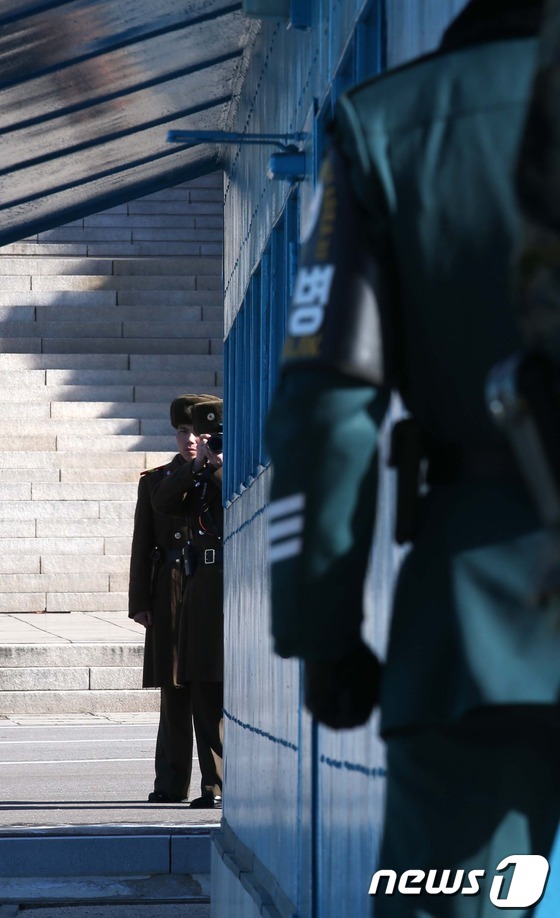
x,y
102,323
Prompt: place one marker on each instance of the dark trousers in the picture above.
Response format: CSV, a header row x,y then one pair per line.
x,y
179,706
207,704
174,744
467,796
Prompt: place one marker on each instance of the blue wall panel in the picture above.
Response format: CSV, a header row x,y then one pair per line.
x,y
263,719
415,28
305,803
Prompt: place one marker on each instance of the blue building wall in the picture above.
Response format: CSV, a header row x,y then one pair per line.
x,y
302,806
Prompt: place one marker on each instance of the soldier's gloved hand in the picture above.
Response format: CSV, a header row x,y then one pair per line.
x,y
343,693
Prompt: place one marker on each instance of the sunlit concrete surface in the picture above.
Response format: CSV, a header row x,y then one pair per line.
x,y
85,770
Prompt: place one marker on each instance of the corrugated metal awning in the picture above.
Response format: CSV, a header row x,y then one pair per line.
x,y
89,89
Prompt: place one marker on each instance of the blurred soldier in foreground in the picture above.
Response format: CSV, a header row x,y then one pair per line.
x,y
538,183
155,597
194,493
404,286
524,390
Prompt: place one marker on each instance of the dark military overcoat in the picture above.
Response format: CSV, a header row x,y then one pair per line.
x,y
197,498
156,578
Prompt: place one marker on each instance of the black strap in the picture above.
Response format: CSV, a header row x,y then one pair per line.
x,y
448,465
211,528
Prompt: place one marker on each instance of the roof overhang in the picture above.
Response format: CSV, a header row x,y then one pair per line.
x,y
89,90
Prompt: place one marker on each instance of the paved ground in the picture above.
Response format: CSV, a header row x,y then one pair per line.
x,y
156,910
83,770
75,775
75,627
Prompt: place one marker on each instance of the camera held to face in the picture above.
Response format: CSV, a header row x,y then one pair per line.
x,y
216,442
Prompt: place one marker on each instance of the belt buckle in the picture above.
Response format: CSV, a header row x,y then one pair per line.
x,y
209,555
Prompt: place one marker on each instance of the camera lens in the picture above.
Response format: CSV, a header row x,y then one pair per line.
x,y
216,443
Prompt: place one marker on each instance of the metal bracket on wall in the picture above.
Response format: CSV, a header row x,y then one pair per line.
x,y
285,142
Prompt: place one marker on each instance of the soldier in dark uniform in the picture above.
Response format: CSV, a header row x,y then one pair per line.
x,y
155,597
194,493
404,286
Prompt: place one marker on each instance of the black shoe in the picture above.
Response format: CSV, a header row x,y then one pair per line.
x,y
207,802
158,797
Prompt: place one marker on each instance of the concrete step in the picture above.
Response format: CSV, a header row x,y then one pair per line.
x,y
111,528
14,410
66,443
50,675
202,344
114,655
133,393
105,474
31,267
61,459
175,318
84,410
84,474
21,393
61,269
69,678
36,249
18,656
104,368
154,281
176,896
63,361
87,298
88,701
70,667
72,601
136,856
77,581
42,328
75,494
194,370
171,315
13,476
88,546
143,232
174,363
93,327
168,314
93,299
112,444
32,562
146,345
91,427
